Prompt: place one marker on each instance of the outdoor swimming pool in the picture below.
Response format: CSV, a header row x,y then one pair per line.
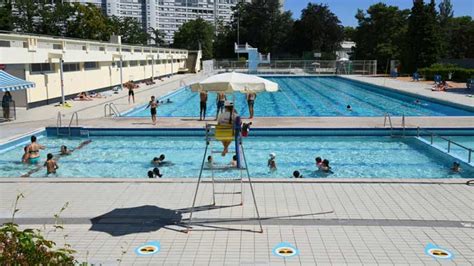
x,y
311,96
349,156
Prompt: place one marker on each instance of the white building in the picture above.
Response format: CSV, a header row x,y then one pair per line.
x,y
88,65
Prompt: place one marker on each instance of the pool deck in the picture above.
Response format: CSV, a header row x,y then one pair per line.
x,y
330,221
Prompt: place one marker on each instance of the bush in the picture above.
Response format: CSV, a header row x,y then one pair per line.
x,y
29,247
458,73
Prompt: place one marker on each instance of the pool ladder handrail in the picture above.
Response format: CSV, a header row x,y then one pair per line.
x,y
74,115
389,118
432,135
112,108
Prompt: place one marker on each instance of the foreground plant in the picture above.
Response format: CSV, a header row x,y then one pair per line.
x,y
29,247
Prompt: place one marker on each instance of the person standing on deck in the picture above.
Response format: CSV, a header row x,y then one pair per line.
x,y
153,105
220,103
6,100
251,101
202,105
130,86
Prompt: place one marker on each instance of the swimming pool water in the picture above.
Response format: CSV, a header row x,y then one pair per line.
x,y
310,96
351,157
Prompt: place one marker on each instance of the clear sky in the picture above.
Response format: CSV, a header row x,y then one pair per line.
x,y
346,9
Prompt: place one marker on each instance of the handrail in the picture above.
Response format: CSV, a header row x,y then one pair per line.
x,y
403,125
432,134
112,109
58,123
387,115
75,114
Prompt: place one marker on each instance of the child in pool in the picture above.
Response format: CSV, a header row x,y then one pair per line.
x,y
51,165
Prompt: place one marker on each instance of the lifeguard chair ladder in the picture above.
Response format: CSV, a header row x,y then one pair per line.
x,y
218,133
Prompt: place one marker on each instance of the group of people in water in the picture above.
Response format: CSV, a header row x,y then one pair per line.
x,y
31,156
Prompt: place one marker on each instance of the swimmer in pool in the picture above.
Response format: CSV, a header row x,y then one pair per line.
x,y
209,161
456,168
233,163
33,151
156,172
325,166
349,108
64,150
297,174
272,163
160,161
319,162
26,155
51,165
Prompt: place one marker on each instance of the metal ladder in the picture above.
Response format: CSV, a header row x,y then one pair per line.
x,y
210,138
388,118
59,124
112,108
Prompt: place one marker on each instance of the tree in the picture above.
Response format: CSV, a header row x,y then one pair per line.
x,y
54,18
318,30
88,22
423,38
6,18
26,13
445,11
349,33
461,38
380,34
130,29
195,34
157,36
261,24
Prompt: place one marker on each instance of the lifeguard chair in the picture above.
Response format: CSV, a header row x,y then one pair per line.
x,y
218,133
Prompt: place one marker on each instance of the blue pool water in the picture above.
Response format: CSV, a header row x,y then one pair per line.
x,y
311,96
350,157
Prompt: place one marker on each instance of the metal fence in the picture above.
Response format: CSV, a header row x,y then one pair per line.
x,y
302,67
8,113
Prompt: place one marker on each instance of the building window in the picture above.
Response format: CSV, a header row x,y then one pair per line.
x,y
57,46
69,67
143,63
91,65
40,68
133,63
4,43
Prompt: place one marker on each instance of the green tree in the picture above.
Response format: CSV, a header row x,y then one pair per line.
x,y
445,12
88,23
157,36
380,34
6,18
461,38
129,28
224,42
195,34
318,30
262,25
24,20
349,33
423,39
54,18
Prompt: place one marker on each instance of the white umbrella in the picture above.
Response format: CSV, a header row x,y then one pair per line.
x,y
235,82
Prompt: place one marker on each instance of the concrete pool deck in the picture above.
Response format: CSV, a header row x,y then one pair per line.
x,y
330,221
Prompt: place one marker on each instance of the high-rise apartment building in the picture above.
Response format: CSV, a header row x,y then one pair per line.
x,y
168,15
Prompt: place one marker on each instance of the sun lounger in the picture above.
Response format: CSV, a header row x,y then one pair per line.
x,y
437,79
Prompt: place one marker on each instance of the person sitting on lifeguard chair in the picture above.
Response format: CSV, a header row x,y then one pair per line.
x,y
224,128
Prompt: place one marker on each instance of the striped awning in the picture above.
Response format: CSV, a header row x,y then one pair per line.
x,y
12,83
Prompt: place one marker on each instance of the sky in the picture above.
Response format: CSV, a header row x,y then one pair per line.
x,y
346,9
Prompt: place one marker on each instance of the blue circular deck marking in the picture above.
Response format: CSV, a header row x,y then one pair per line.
x,y
149,248
285,250
438,252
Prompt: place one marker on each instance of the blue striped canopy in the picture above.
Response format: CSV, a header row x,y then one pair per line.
x,y
12,83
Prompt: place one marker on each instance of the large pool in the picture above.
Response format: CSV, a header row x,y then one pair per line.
x,y
311,96
349,156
